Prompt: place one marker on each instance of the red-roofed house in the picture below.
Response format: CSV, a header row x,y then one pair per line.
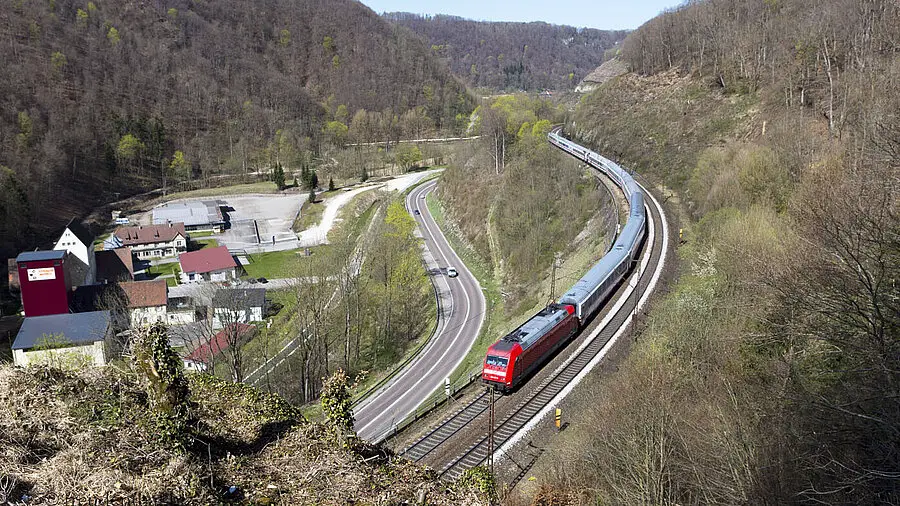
x,y
202,356
207,264
114,265
153,241
147,301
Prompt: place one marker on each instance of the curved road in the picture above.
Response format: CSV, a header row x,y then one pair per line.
x,y
460,316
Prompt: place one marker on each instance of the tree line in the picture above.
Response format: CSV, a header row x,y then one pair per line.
x,y
769,374
107,98
513,56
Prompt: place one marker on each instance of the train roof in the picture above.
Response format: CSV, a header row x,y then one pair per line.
x,y
537,326
594,277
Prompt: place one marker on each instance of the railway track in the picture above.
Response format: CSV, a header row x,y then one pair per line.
x,y
523,406
447,428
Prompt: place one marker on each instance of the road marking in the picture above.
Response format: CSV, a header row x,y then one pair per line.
x,y
424,189
448,348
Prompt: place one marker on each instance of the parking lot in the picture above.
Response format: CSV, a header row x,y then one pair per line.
x,y
257,219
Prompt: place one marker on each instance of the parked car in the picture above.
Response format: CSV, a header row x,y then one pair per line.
x,y
416,212
452,272
263,280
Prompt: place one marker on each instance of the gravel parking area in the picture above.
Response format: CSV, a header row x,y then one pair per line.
x,y
258,219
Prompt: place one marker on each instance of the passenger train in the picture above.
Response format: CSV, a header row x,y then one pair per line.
x,y
518,354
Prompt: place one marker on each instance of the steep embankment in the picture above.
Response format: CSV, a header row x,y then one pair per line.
x,y
768,375
95,436
100,97
513,56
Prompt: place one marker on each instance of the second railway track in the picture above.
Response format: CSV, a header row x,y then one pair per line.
x,y
454,446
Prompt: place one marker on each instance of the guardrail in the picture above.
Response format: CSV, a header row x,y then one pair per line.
x,y
440,398
383,381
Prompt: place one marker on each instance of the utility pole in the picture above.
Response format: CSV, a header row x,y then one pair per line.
x,y
556,257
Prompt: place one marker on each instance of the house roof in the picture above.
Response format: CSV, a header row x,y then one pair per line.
x,y
192,213
206,260
114,265
73,328
35,256
88,298
145,234
219,342
235,298
82,233
146,293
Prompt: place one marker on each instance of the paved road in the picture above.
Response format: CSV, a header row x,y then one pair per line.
x,y
318,234
459,323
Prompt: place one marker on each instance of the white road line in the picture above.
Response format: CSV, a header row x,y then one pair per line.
x,y
361,408
447,349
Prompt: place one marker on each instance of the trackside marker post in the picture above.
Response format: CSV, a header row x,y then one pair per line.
x,y
447,386
558,419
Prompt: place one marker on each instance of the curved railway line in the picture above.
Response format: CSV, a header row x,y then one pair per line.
x,y
452,446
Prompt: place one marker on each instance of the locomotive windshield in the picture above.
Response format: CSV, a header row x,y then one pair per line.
x,y
496,361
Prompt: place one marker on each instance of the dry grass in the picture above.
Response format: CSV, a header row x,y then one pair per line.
x,y
92,437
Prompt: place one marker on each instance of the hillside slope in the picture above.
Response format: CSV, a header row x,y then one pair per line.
x,y
513,56
768,374
94,436
97,97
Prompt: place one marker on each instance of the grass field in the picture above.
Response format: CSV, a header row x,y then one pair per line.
x,y
311,212
497,322
310,215
262,187
173,268
276,264
194,245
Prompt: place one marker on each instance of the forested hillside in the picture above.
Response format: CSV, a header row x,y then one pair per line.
x,y
118,96
513,56
769,375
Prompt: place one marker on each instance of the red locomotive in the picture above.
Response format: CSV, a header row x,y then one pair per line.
x,y
511,359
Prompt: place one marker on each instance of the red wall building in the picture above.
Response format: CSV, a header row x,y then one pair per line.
x,y
44,282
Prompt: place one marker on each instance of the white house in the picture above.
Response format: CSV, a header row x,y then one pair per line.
x,y
147,301
238,305
79,242
208,264
181,311
151,241
68,340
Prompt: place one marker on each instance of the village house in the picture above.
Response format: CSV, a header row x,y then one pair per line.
x,y
147,301
150,241
238,305
114,265
68,340
202,357
208,264
79,242
181,311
